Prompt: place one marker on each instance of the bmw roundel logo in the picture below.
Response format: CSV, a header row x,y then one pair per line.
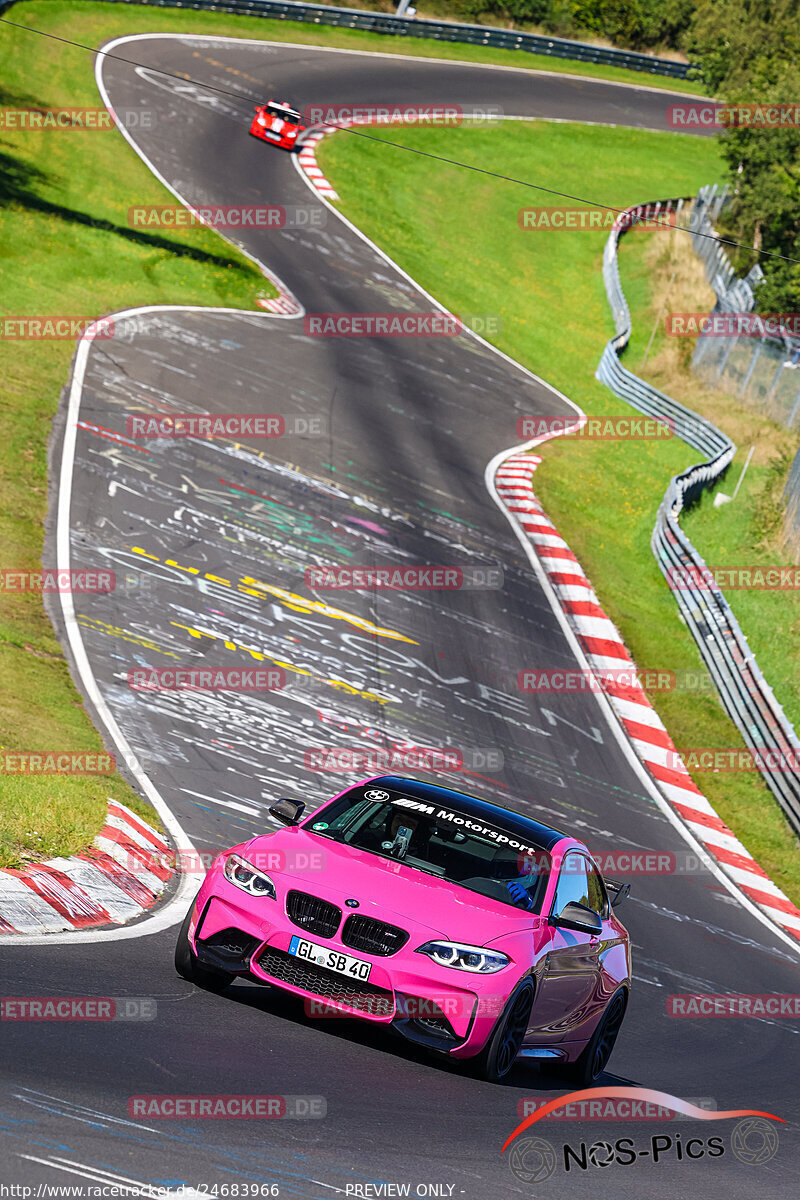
x,y
376,794
352,904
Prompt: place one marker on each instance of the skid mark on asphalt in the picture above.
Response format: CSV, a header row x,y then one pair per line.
x,y
257,1165
717,931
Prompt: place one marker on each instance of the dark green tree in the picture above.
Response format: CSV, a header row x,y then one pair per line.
x,y
750,54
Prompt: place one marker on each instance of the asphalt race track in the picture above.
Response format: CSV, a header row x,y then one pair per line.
x,y
210,541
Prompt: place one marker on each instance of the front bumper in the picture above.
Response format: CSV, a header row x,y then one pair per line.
x,y
274,139
421,1000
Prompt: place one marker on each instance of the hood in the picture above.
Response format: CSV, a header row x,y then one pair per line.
x,y
388,890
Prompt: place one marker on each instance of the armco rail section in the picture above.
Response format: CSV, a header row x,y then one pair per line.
x,y
441,31
744,692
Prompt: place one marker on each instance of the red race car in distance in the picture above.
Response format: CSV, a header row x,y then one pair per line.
x,y
277,123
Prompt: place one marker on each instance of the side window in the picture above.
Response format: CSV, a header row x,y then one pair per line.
x,y
598,900
573,882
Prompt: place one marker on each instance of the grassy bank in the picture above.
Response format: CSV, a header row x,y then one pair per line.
x,y
469,251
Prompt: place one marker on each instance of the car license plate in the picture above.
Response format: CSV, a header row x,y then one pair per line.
x,y
333,960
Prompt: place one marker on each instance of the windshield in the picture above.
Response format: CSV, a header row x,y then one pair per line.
x,y
286,114
441,841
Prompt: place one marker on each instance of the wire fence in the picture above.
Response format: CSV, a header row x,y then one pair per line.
x,y
762,372
743,690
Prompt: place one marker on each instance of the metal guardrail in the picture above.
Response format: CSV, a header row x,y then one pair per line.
x,y
745,694
442,31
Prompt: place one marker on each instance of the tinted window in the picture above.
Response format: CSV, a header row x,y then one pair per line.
x,y
439,840
286,114
573,883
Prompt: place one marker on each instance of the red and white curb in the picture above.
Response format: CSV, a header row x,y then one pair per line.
x,y
307,159
602,644
284,304
120,876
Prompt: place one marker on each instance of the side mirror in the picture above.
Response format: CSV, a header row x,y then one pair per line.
x,y
621,892
578,916
288,811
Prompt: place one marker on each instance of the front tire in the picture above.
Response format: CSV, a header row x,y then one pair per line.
x,y
505,1041
189,968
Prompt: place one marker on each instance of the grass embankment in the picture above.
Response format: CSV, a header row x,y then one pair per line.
x,y
458,235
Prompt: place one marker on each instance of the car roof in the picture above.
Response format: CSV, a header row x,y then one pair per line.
x,y
282,105
534,831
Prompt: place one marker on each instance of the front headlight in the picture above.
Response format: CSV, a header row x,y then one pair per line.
x,y
262,120
244,875
465,958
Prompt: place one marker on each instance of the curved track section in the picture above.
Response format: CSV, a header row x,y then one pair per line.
x,y
215,537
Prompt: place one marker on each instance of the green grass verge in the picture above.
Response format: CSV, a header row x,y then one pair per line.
x,y
81,20
458,235
734,535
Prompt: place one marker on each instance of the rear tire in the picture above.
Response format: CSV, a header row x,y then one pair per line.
x,y
597,1052
500,1052
189,968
